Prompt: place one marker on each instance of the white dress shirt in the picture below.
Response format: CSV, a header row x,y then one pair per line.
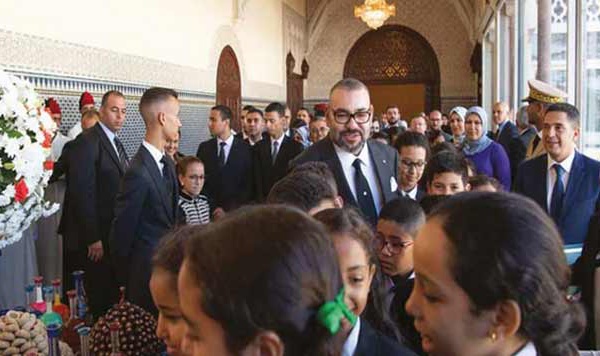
x,y
156,154
111,136
279,142
227,148
368,170
412,194
528,350
58,142
567,164
352,341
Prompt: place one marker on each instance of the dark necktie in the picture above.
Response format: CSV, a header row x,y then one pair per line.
x,y
536,141
123,159
274,151
222,154
558,193
364,196
166,174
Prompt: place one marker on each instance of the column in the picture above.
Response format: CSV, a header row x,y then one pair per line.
x,y
544,40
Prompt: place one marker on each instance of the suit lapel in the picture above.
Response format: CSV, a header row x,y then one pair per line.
x,y
332,160
382,166
157,178
574,184
108,146
540,182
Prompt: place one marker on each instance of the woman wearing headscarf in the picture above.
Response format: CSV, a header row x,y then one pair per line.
x,y
457,125
488,156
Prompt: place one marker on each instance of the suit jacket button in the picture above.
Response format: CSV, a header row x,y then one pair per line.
x,y
384,161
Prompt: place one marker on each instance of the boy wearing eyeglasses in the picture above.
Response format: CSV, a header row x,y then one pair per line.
x,y
413,150
399,222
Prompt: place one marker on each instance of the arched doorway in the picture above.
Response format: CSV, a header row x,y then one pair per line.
x,y
295,84
399,66
229,85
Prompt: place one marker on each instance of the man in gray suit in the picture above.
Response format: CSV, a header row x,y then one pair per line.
x,y
365,170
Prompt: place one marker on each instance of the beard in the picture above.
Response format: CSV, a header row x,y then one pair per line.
x,y
356,148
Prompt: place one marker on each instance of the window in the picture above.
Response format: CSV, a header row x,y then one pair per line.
x,y
590,100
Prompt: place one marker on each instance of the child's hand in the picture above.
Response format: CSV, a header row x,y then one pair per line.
x,y
218,213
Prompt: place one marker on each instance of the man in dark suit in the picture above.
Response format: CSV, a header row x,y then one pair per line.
x,y
563,182
227,164
255,124
435,125
243,134
518,145
365,170
506,131
271,157
146,206
95,162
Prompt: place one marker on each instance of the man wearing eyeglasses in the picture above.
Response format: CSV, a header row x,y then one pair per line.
x,y
365,170
413,150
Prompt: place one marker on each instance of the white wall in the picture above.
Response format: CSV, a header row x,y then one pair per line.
x,y
183,37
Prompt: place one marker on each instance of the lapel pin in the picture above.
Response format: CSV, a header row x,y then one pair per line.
x,y
384,161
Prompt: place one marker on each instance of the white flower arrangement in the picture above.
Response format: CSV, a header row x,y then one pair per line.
x,y
26,132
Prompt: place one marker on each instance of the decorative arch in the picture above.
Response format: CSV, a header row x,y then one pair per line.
x,y
396,54
229,84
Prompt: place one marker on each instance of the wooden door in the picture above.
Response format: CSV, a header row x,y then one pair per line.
x,y
295,84
410,98
229,85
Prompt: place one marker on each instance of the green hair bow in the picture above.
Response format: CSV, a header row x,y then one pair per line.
x,y
331,313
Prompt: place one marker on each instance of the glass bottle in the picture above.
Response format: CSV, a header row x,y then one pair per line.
x,y
81,296
84,340
70,333
114,339
50,317
53,335
29,289
58,306
39,305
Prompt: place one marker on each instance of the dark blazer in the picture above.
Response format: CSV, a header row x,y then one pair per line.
x,y
93,175
584,276
266,174
231,186
144,212
508,133
93,172
582,196
373,343
405,322
384,157
518,149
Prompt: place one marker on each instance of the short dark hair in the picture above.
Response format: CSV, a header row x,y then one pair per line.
x,y
572,112
393,106
315,117
411,138
185,162
444,147
320,169
224,111
302,190
405,212
169,253
279,108
108,95
156,94
254,110
267,268
247,107
504,247
349,84
381,136
481,180
305,109
430,202
446,162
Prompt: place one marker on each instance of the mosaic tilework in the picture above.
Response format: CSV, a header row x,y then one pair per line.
x,y
193,120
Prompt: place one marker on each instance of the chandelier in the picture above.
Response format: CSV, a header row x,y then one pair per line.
x,y
374,12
